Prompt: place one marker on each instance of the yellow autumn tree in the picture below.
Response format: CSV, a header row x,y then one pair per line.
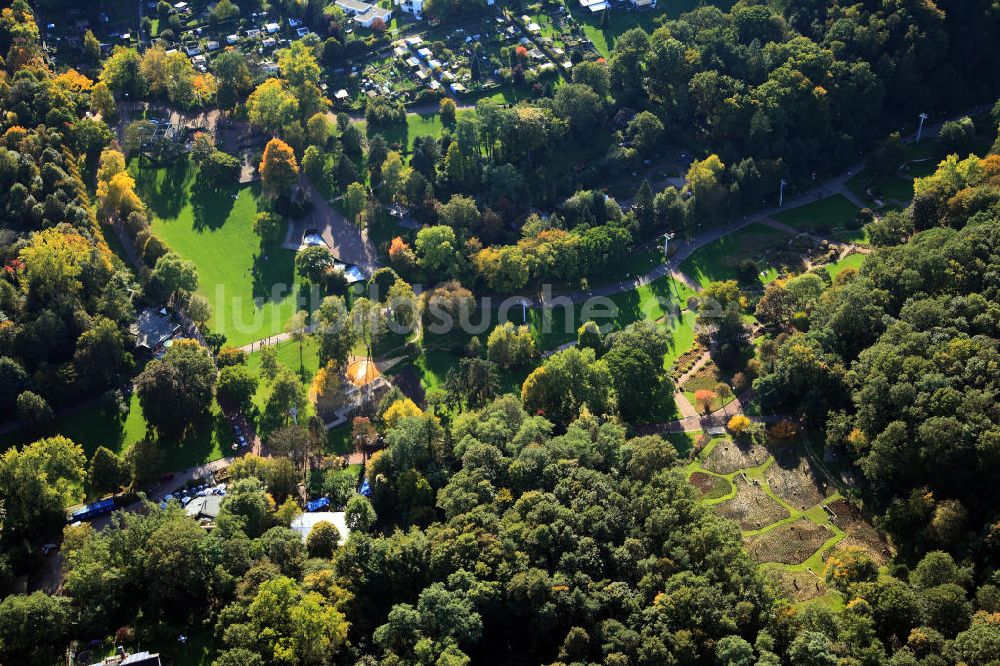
x,y
74,81
117,198
55,259
738,424
399,410
326,391
279,169
112,162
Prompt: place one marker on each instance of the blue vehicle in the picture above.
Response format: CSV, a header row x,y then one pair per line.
x,y
91,511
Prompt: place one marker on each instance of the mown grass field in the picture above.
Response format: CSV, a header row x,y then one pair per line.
x,y
850,261
252,290
417,124
891,189
720,259
824,216
92,427
620,20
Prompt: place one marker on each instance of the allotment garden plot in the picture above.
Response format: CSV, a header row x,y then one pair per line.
x,y
791,519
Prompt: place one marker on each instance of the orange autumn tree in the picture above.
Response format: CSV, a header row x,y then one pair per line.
x,y
279,169
401,255
704,398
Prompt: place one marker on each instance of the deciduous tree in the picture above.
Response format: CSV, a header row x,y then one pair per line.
x,y
279,170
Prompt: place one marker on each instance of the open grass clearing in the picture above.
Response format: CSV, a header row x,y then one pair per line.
x,y
832,215
253,292
798,585
338,440
417,124
622,19
720,259
287,353
636,264
663,299
850,261
92,427
432,366
684,442
867,187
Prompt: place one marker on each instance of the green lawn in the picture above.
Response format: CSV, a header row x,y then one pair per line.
x,y
92,427
417,124
887,188
339,439
198,648
251,290
288,355
832,216
717,402
828,213
850,261
719,260
620,20
682,441
507,93
652,301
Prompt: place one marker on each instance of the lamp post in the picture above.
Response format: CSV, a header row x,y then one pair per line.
x,y
920,128
781,193
667,237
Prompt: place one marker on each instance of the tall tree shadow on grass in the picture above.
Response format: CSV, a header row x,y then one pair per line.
x,y
629,308
274,275
212,204
163,189
396,136
197,444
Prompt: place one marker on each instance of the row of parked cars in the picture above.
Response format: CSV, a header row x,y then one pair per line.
x,y
185,495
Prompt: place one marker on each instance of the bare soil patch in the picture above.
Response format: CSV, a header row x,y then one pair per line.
x,y
797,585
788,544
727,457
752,508
709,485
860,533
793,479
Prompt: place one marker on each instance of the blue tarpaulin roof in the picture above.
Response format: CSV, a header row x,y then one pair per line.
x,y
318,504
95,509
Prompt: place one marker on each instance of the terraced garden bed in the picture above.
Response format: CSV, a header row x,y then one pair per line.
x,y
710,486
727,457
793,479
792,543
752,508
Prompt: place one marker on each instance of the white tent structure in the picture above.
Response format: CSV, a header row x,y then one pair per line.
x,y
305,522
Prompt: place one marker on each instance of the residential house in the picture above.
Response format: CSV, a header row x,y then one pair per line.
x,y
153,328
413,7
